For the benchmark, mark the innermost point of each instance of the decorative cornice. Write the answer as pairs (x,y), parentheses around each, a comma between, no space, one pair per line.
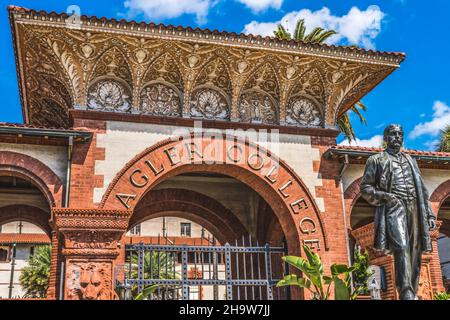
(174,72)
(161,31)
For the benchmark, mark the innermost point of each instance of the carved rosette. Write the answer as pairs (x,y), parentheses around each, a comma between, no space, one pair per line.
(257,107)
(209,104)
(161,100)
(303,111)
(109,95)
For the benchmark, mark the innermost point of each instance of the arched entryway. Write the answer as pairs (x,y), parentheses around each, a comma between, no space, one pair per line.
(24,229)
(270,177)
(150,185)
(444,241)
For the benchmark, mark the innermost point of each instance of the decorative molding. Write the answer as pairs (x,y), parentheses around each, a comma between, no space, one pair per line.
(109,69)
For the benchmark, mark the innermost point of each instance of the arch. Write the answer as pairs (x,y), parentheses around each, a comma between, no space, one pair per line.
(112,62)
(33,170)
(215,73)
(247,162)
(164,68)
(315,87)
(27,213)
(197,207)
(439,195)
(351,195)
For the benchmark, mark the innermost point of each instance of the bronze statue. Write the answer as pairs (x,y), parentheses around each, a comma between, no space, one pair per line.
(403,217)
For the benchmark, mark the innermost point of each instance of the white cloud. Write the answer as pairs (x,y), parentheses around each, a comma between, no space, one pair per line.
(440,119)
(374,142)
(260,5)
(356,27)
(162,9)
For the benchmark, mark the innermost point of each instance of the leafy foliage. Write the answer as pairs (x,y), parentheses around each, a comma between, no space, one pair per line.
(315,281)
(35,276)
(441,296)
(320,35)
(157,265)
(444,141)
(362,271)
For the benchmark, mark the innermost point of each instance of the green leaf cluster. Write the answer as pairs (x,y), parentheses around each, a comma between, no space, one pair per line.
(157,265)
(314,279)
(34,278)
(441,296)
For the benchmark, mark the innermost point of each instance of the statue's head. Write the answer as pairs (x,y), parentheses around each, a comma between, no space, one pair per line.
(393,136)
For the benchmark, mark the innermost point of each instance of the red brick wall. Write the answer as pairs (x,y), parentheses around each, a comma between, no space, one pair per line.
(83,179)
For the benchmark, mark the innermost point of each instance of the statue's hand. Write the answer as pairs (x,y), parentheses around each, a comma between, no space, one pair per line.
(390,198)
(432,224)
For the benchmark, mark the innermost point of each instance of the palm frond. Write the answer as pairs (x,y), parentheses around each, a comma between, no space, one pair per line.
(311,37)
(444,141)
(355,108)
(325,35)
(300,29)
(281,33)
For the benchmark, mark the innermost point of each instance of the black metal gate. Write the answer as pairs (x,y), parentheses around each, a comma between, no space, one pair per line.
(220,272)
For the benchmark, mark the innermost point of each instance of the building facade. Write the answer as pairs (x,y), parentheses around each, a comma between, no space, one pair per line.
(127,121)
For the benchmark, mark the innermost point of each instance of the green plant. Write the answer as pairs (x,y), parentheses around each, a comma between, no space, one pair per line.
(362,271)
(157,265)
(34,278)
(444,140)
(320,35)
(315,281)
(441,296)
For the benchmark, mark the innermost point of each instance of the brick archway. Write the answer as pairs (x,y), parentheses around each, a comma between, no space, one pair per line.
(439,195)
(27,213)
(351,195)
(249,163)
(33,170)
(197,207)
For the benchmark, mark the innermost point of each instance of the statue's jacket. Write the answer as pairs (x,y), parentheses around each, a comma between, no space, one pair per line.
(376,182)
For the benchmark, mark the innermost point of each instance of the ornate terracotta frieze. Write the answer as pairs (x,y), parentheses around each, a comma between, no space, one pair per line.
(91,233)
(91,68)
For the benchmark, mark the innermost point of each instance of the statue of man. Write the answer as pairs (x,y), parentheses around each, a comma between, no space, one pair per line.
(403,217)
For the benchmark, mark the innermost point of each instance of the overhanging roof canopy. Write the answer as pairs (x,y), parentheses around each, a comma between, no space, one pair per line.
(121,66)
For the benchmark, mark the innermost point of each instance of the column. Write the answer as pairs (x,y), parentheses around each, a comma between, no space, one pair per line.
(91,246)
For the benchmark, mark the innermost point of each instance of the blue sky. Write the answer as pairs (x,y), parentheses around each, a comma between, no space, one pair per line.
(416,96)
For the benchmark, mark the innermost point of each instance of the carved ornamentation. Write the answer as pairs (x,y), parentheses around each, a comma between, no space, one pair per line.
(109,95)
(258,107)
(88,280)
(303,111)
(209,104)
(160,99)
(425,291)
(61,68)
(164,68)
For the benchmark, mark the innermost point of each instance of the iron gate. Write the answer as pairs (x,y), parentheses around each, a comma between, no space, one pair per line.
(243,271)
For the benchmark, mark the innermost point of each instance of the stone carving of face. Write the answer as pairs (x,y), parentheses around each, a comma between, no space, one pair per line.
(90,284)
(394,137)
